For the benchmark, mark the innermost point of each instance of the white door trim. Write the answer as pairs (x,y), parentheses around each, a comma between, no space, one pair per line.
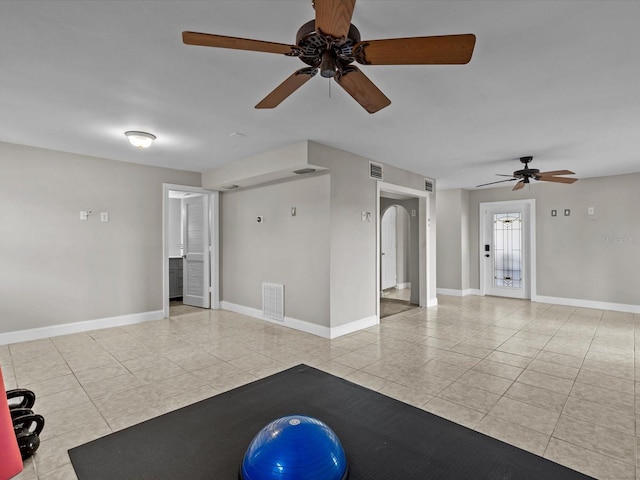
(530,249)
(214,262)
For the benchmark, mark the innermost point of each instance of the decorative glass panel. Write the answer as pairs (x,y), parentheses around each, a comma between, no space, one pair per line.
(507,250)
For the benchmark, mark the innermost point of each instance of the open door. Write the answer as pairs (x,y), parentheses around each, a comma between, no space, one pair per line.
(195,263)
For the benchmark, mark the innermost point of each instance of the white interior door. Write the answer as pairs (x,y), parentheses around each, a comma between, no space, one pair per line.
(388,248)
(505,249)
(195,263)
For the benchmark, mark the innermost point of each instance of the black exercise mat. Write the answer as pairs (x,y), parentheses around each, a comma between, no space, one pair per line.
(384,439)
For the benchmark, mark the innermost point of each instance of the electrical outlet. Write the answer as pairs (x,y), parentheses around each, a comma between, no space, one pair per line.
(104,216)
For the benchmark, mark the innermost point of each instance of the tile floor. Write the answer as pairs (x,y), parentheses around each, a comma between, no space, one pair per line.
(555,380)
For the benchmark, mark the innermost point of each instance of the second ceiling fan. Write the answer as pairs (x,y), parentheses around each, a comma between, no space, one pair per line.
(526,174)
(330,44)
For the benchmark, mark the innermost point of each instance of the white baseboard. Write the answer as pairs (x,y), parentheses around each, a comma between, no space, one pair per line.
(302,325)
(77,327)
(432,302)
(458,293)
(577,302)
(402,286)
(354,326)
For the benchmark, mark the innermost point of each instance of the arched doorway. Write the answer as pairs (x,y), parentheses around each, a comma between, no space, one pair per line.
(396,259)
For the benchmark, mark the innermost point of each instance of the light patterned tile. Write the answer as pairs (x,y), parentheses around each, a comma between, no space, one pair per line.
(466,351)
(522,437)
(474,398)
(486,381)
(604,440)
(603,396)
(548,382)
(526,415)
(498,369)
(454,412)
(588,462)
(616,418)
(538,397)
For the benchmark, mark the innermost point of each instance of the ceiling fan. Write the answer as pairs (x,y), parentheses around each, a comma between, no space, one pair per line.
(527,173)
(330,44)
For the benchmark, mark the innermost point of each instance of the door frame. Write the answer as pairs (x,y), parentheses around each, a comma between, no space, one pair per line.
(426,275)
(214,239)
(529,242)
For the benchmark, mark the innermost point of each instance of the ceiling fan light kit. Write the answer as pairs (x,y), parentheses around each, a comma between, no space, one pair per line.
(330,44)
(526,174)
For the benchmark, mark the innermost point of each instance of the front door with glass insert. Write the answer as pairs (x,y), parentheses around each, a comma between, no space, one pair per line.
(504,252)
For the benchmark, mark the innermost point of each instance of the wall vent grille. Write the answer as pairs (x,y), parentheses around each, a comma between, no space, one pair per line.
(428,185)
(273,301)
(375,171)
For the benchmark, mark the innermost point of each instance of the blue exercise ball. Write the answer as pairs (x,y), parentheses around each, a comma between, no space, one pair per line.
(296,447)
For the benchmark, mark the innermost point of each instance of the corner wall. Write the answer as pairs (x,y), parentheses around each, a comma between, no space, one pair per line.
(283,249)
(58,270)
(582,259)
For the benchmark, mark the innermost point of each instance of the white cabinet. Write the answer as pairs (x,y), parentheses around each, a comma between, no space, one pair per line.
(175,277)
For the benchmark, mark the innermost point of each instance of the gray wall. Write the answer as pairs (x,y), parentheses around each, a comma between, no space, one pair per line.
(326,256)
(580,256)
(352,241)
(449,212)
(288,250)
(57,269)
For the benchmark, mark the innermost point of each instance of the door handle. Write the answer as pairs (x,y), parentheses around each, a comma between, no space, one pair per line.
(487,255)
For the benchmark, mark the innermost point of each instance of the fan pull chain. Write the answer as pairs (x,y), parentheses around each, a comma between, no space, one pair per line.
(329,88)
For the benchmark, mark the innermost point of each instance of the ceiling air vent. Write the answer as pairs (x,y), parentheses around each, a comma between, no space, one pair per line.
(375,171)
(428,185)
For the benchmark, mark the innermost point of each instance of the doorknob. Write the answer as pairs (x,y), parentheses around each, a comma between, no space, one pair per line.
(382,253)
(487,255)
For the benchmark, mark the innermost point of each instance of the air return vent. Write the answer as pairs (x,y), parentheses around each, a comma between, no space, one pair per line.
(273,301)
(428,185)
(375,171)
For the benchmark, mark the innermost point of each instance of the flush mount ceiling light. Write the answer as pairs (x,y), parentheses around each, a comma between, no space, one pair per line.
(140,139)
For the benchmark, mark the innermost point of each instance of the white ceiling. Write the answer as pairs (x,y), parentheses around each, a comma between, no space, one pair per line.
(559,80)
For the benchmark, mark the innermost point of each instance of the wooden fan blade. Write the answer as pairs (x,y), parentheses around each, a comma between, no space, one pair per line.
(518,186)
(442,50)
(220,41)
(286,88)
(333,17)
(363,91)
(556,172)
(499,181)
(546,178)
